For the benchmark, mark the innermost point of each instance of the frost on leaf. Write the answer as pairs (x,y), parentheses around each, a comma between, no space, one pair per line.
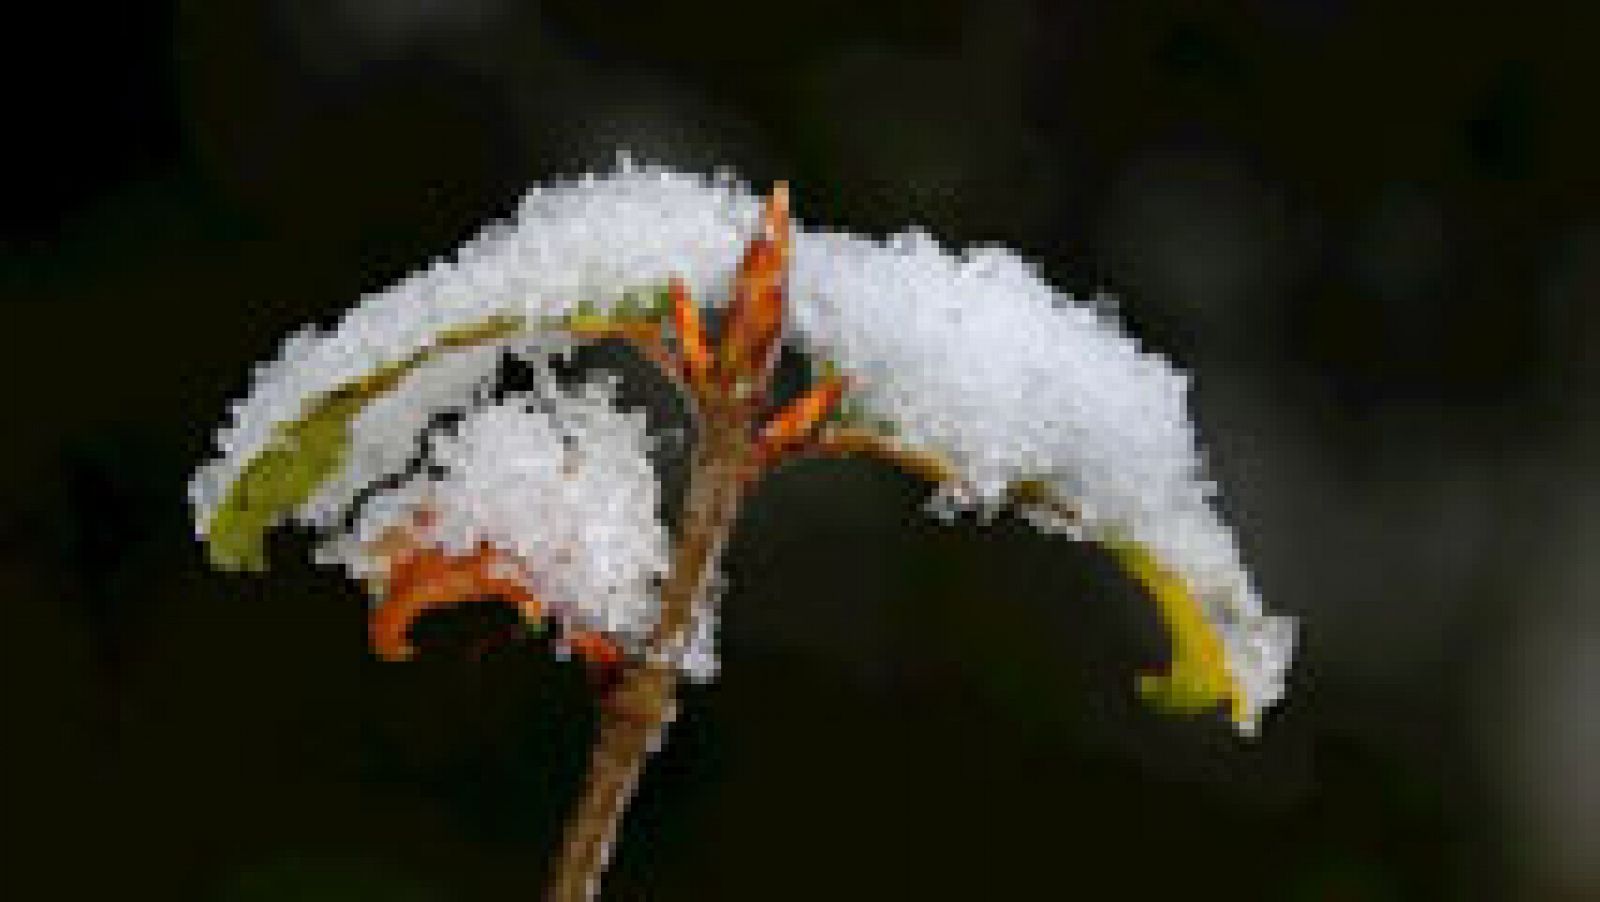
(964,367)
(305,452)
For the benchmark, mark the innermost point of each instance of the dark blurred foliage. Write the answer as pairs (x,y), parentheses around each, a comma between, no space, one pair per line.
(1368,228)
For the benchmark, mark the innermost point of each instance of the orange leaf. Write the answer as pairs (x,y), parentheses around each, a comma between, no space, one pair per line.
(422,579)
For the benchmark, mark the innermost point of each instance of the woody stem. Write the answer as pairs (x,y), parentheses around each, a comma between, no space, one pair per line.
(634,717)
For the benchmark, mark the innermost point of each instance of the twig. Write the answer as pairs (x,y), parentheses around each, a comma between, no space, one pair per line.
(634,716)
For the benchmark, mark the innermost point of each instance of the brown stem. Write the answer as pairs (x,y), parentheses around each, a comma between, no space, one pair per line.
(852,441)
(631,727)
(847,441)
(634,716)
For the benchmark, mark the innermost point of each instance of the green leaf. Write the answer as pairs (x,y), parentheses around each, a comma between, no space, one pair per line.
(628,308)
(659,303)
(282,476)
(648,305)
(305,452)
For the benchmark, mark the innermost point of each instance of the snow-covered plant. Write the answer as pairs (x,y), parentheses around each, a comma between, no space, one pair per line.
(966,369)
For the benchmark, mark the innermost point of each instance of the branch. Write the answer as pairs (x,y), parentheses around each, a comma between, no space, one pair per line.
(635,714)
(1199,675)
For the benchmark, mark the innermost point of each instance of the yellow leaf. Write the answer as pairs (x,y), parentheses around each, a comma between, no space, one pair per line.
(1198,678)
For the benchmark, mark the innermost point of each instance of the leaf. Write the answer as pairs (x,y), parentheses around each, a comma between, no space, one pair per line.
(658,304)
(281,477)
(424,579)
(1198,678)
(305,452)
(642,307)
(628,308)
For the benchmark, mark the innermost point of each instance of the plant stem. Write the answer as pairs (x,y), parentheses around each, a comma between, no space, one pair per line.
(634,716)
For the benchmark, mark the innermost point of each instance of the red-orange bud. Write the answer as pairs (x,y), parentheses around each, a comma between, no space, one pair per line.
(692,351)
(795,421)
(755,315)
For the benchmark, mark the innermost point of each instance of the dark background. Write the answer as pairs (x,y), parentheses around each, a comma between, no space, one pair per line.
(1367,227)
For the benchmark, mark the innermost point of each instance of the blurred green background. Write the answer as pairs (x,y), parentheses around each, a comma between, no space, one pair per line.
(1368,228)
